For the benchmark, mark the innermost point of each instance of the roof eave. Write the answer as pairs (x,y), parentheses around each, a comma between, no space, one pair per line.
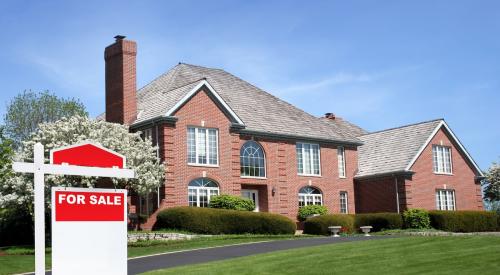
(295,137)
(385,174)
(154,121)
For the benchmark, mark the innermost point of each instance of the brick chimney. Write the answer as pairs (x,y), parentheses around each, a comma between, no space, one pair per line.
(121,101)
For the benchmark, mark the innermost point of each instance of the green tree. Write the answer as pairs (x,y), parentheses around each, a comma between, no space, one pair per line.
(6,155)
(491,184)
(141,156)
(28,109)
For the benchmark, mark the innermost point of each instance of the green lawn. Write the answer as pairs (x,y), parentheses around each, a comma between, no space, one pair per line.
(405,255)
(20,260)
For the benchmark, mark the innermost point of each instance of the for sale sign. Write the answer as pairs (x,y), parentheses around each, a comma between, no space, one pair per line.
(89,231)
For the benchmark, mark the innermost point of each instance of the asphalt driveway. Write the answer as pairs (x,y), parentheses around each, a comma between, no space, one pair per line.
(172,259)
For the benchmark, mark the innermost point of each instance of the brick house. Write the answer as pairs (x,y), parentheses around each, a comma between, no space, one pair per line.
(221,135)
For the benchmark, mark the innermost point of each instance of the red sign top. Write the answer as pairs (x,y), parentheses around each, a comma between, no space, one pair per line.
(73,206)
(87,154)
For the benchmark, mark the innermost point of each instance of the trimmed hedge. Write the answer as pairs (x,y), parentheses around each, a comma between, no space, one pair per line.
(319,225)
(464,221)
(231,202)
(223,221)
(309,210)
(379,221)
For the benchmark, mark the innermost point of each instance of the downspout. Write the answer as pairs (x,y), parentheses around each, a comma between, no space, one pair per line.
(397,192)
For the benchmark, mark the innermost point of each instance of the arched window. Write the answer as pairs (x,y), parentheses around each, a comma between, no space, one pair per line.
(252,160)
(309,195)
(200,190)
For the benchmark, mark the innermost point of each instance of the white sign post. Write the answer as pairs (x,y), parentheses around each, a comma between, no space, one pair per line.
(84,151)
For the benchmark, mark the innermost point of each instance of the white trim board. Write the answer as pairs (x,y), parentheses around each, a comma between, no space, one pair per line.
(434,132)
(194,91)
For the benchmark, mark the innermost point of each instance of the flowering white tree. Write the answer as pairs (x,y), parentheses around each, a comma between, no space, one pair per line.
(141,157)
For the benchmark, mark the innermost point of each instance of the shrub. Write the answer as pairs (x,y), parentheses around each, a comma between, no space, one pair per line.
(319,225)
(498,221)
(416,218)
(309,210)
(379,221)
(16,227)
(231,202)
(464,221)
(223,221)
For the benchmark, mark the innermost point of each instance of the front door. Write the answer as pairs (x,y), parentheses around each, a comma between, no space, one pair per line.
(252,195)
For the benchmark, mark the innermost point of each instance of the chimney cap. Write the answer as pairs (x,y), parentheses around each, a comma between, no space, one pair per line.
(119,37)
(330,115)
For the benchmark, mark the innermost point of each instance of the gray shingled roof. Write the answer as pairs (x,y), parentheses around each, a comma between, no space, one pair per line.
(392,150)
(344,126)
(259,110)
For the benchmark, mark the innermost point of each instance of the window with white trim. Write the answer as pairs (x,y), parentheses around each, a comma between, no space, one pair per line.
(308,159)
(252,160)
(147,134)
(441,159)
(202,146)
(200,191)
(445,199)
(310,196)
(341,161)
(343,202)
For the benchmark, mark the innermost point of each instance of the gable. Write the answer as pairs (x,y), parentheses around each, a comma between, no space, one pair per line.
(442,135)
(203,109)
(205,86)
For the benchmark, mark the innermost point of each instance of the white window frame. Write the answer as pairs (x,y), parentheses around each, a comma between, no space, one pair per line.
(346,202)
(197,189)
(147,134)
(314,198)
(445,199)
(341,162)
(438,159)
(197,163)
(265,164)
(311,159)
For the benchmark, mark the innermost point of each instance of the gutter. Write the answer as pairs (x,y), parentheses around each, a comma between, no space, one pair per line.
(154,121)
(296,137)
(385,174)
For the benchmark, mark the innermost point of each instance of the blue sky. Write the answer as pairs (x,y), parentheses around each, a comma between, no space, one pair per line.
(379,64)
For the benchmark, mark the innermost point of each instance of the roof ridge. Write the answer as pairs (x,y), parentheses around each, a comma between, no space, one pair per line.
(198,66)
(404,126)
(157,78)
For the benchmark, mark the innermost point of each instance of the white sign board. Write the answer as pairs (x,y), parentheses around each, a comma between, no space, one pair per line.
(89,231)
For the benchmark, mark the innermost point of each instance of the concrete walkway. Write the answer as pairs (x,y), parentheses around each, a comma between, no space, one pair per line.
(196,256)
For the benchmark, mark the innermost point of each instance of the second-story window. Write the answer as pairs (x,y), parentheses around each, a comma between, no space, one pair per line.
(202,146)
(441,159)
(252,160)
(308,159)
(341,161)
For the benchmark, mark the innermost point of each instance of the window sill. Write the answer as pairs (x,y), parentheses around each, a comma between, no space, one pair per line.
(306,175)
(343,178)
(203,165)
(249,177)
(443,174)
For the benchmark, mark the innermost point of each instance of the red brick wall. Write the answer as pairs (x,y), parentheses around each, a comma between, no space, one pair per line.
(281,167)
(423,185)
(121,101)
